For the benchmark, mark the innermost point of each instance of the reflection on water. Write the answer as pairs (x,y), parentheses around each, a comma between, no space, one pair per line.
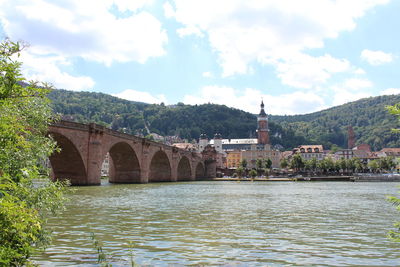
(228,223)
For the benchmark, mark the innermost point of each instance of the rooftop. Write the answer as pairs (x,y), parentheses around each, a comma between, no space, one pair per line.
(249,141)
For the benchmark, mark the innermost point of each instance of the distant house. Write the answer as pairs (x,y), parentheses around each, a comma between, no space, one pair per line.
(389,152)
(364,147)
(345,154)
(310,151)
(186,146)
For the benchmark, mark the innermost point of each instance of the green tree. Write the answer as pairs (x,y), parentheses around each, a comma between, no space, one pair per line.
(358,165)
(259,166)
(395,234)
(243,163)
(284,163)
(297,162)
(25,113)
(350,165)
(268,163)
(373,165)
(253,173)
(342,164)
(240,172)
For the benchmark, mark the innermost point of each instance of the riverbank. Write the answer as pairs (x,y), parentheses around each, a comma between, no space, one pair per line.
(355,178)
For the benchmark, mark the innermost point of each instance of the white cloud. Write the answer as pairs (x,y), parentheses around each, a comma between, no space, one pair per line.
(351,90)
(48,69)
(359,71)
(303,71)
(141,96)
(125,5)
(207,74)
(376,57)
(390,91)
(271,32)
(86,29)
(249,100)
(357,84)
(344,96)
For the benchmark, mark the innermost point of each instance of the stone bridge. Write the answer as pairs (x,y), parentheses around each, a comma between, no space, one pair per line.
(132,159)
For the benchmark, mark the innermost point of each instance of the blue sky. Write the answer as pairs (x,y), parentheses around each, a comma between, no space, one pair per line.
(299,56)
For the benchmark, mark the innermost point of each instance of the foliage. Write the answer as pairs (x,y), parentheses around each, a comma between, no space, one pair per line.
(297,162)
(371,124)
(184,120)
(284,163)
(253,173)
(24,202)
(373,165)
(395,110)
(240,171)
(268,163)
(243,163)
(394,234)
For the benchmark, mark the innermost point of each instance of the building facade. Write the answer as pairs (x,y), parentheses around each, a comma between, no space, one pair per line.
(310,151)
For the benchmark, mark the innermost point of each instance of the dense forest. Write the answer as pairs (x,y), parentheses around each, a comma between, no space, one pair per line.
(371,122)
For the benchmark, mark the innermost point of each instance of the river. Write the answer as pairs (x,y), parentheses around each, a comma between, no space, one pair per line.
(227,223)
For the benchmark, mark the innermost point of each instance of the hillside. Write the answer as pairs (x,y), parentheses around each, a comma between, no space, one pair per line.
(368,117)
(371,123)
(187,121)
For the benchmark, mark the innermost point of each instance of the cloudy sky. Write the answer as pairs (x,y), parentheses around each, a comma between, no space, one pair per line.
(299,56)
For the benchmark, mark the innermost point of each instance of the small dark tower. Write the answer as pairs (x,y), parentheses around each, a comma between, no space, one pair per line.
(262,130)
(351,137)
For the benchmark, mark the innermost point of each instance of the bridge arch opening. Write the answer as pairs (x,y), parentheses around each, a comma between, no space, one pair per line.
(160,168)
(124,165)
(67,164)
(200,171)
(184,171)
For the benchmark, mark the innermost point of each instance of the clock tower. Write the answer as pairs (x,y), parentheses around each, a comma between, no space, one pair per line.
(262,130)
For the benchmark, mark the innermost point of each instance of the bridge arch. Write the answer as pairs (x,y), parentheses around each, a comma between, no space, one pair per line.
(184,169)
(160,168)
(68,163)
(124,164)
(200,171)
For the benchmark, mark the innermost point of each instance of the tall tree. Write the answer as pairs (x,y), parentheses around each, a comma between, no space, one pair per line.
(395,234)
(24,117)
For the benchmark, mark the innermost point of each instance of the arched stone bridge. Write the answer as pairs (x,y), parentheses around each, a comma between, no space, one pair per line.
(132,159)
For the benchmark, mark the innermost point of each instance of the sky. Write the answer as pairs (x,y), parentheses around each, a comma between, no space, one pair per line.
(297,56)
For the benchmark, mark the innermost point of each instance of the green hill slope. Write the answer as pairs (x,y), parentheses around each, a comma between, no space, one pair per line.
(368,117)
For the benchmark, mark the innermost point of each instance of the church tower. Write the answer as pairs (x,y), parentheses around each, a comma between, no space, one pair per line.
(262,131)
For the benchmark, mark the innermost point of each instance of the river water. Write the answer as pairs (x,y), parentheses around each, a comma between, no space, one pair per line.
(228,223)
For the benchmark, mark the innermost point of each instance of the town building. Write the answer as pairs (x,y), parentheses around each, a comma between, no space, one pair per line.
(249,149)
(253,154)
(389,152)
(233,159)
(344,154)
(310,151)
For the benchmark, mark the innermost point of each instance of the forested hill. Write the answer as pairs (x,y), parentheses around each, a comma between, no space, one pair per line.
(370,120)
(187,121)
